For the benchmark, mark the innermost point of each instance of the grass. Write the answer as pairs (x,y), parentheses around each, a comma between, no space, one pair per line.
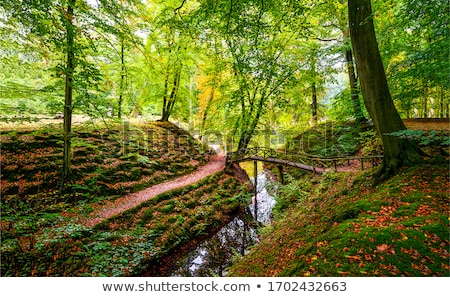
(123,245)
(399,228)
(105,162)
(39,233)
(338,224)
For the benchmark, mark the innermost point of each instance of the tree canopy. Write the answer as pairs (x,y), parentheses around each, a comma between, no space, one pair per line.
(233,67)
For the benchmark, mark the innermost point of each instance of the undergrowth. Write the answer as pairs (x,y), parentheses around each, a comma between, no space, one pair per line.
(344,227)
(39,233)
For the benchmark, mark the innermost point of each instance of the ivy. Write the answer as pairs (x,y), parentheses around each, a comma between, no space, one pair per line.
(423,138)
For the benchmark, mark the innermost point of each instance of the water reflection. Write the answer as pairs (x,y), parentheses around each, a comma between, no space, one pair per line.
(213,256)
(264,201)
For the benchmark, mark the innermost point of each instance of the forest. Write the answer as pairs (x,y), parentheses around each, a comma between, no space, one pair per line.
(134,131)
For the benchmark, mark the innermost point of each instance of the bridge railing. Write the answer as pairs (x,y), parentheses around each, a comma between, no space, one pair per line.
(271,155)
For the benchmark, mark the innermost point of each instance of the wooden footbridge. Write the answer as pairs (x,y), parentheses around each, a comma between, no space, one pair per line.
(301,160)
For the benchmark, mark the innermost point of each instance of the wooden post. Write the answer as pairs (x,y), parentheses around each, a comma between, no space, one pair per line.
(362,163)
(335,165)
(255,202)
(280,171)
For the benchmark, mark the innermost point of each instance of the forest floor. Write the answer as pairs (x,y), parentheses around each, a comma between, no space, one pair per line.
(346,227)
(105,211)
(145,189)
(142,190)
(339,224)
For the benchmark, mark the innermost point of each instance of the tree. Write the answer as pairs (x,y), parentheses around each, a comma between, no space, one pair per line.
(414,44)
(330,27)
(354,90)
(66,29)
(171,60)
(257,36)
(70,32)
(375,90)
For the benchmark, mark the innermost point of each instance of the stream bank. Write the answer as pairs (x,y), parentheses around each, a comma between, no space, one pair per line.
(212,255)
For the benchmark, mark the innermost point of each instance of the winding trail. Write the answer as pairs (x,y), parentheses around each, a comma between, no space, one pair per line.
(215,164)
(110,209)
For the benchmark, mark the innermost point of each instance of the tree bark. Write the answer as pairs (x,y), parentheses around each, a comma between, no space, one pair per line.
(314,102)
(207,107)
(425,102)
(68,95)
(166,88)
(375,90)
(122,77)
(169,102)
(357,110)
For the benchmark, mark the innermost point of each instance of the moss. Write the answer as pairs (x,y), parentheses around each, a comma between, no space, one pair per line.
(398,228)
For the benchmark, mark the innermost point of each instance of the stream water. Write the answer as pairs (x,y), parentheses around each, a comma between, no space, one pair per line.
(214,255)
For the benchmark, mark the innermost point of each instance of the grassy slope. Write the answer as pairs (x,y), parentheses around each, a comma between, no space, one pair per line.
(108,162)
(42,238)
(338,225)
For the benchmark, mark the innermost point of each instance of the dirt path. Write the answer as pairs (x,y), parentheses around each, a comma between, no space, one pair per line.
(110,209)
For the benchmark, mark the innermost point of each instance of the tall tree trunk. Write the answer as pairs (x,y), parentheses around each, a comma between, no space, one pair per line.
(249,130)
(68,94)
(441,102)
(207,107)
(122,77)
(425,102)
(174,94)
(169,102)
(375,90)
(357,110)
(166,88)
(314,103)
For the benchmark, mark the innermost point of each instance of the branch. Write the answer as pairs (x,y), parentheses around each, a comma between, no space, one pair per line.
(179,7)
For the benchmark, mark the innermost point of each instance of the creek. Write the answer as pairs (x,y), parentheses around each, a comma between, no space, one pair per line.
(214,255)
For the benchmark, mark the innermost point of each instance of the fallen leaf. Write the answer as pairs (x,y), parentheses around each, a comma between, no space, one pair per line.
(382,247)
(353,258)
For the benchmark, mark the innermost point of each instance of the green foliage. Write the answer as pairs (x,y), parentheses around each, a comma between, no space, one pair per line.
(424,138)
(294,192)
(414,43)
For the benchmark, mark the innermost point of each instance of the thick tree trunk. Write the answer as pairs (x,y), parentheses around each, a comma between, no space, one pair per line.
(375,90)
(68,95)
